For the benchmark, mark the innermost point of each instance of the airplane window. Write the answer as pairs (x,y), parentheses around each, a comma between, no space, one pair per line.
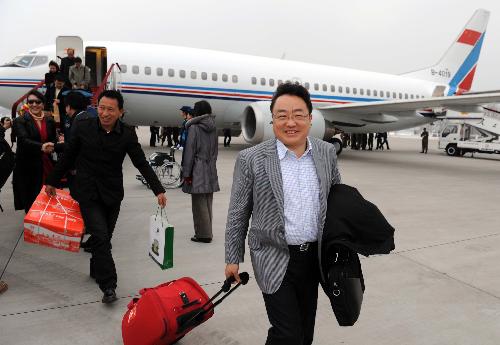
(332,88)
(234,78)
(193,74)
(411,96)
(147,70)
(204,75)
(374,93)
(368,92)
(400,95)
(271,82)
(171,72)
(40,60)
(262,81)
(280,81)
(182,73)
(307,85)
(347,89)
(340,89)
(224,77)
(362,92)
(159,71)
(254,80)
(417,96)
(135,69)
(354,90)
(387,94)
(406,96)
(20,61)
(325,88)
(123,68)
(394,95)
(214,76)
(316,86)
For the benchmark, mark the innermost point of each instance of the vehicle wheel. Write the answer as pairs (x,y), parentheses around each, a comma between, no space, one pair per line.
(452,150)
(337,143)
(169,175)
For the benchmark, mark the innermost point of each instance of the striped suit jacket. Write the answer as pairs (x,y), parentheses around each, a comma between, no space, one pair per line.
(257,193)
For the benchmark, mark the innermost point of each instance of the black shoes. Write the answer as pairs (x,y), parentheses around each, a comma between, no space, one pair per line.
(109,296)
(201,240)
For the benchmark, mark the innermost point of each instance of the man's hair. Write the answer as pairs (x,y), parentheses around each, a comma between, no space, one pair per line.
(53,63)
(76,101)
(37,94)
(294,89)
(201,108)
(60,77)
(3,119)
(78,59)
(72,49)
(113,94)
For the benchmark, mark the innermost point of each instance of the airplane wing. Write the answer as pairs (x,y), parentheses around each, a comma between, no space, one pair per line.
(458,103)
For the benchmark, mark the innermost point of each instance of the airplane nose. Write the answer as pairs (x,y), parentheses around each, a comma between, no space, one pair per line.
(14,83)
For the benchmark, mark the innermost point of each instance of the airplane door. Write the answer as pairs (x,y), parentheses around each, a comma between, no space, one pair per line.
(65,42)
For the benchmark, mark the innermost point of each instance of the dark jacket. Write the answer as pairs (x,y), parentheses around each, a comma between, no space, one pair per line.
(6,158)
(98,157)
(199,159)
(28,173)
(66,63)
(50,95)
(356,223)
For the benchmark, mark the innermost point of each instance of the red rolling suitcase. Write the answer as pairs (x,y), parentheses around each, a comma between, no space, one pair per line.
(167,312)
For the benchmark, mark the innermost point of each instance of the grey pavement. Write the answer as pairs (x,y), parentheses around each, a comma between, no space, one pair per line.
(440,286)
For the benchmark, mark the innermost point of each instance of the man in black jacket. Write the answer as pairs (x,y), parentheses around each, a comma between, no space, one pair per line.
(98,147)
(55,97)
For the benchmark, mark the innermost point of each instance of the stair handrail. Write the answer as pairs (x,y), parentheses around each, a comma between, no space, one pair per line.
(104,82)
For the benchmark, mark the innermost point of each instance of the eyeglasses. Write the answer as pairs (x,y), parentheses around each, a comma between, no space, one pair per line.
(299,117)
(34,101)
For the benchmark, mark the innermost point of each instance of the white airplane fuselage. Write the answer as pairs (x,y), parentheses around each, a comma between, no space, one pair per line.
(155,100)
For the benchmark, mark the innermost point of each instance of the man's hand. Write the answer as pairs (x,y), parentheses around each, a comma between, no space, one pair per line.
(162,200)
(47,147)
(188,180)
(232,271)
(50,191)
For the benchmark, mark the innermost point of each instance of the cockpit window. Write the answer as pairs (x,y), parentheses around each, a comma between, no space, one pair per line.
(40,60)
(27,61)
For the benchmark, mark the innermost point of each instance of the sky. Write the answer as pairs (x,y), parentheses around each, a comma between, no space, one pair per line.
(389,36)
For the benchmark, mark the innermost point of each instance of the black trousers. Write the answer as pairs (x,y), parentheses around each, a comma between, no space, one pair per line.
(100,221)
(292,309)
(227,137)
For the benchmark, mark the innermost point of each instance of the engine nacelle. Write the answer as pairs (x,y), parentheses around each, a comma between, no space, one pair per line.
(257,126)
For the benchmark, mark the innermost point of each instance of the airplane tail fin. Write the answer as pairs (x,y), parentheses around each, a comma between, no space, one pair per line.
(458,65)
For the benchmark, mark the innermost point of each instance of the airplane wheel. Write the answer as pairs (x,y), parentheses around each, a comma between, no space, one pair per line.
(337,143)
(452,150)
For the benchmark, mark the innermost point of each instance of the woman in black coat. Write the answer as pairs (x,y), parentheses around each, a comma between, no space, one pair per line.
(36,138)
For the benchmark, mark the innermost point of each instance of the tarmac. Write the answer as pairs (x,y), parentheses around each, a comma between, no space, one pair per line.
(441,285)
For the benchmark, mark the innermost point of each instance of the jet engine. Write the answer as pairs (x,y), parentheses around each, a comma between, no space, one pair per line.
(257,126)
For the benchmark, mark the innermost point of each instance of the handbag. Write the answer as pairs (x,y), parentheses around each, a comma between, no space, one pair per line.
(345,284)
(161,240)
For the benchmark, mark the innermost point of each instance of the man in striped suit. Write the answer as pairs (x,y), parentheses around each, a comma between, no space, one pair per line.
(283,185)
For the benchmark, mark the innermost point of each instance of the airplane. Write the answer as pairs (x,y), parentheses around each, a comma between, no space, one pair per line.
(156,80)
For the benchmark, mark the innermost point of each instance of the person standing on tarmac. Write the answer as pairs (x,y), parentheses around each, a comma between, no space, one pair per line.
(97,148)
(199,169)
(425,140)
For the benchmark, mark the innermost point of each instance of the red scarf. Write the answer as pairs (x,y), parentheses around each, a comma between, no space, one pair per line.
(46,161)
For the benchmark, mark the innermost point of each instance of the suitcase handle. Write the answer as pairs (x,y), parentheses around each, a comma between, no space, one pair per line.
(226,287)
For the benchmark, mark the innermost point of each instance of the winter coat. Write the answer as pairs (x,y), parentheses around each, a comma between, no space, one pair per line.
(200,156)
(27,178)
